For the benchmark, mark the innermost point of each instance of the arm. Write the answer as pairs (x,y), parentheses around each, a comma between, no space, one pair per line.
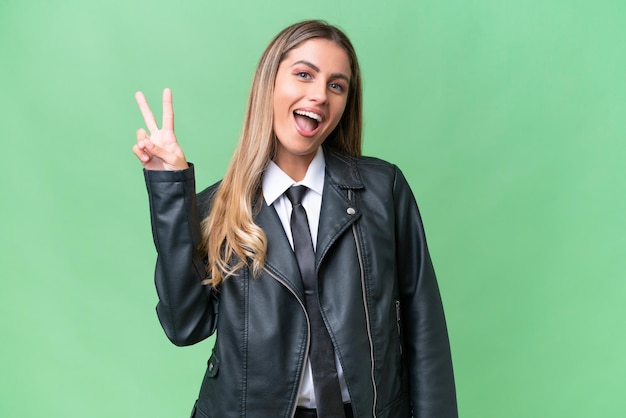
(187,309)
(426,341)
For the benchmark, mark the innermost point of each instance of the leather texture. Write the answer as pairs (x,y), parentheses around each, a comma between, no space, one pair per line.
(378,296)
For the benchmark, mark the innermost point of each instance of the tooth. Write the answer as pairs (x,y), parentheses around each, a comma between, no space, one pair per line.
(309,115)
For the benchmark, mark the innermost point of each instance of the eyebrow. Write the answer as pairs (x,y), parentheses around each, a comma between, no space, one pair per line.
(316,69)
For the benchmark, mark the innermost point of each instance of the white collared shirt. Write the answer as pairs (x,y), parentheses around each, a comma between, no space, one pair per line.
(275,183)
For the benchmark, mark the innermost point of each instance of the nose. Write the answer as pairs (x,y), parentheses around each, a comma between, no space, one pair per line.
(318,92)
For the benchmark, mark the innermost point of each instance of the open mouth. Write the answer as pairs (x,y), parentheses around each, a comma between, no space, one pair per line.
(307,121)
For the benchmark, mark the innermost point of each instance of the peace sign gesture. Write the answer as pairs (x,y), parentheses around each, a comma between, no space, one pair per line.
(159,150)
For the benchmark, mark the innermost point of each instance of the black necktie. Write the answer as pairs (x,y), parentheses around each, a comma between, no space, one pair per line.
(325,381)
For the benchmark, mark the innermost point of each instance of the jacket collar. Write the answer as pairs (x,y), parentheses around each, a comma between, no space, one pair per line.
(342,170)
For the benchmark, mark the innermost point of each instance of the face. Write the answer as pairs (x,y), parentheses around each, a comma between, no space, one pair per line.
(310,96)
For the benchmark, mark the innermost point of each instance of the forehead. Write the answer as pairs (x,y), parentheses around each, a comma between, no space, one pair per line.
(325,54)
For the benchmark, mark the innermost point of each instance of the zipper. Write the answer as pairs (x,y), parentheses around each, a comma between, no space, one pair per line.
(398,318)
(367,313)
(308,331)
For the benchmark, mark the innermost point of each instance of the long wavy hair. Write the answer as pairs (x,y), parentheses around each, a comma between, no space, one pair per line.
(230,237)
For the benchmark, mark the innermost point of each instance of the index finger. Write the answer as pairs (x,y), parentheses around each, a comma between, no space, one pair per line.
(168,110)
(148,117)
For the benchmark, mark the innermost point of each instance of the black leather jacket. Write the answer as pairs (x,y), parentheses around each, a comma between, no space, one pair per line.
(378,294)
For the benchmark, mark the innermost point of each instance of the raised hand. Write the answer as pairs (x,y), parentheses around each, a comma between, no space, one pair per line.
(159,150)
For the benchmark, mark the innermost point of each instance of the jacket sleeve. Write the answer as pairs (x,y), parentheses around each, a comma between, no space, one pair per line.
(427,347)
(187,309)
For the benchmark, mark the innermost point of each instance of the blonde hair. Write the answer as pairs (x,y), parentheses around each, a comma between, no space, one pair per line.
(230,237)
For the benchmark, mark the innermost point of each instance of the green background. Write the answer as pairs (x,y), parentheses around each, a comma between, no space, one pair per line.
(507,118)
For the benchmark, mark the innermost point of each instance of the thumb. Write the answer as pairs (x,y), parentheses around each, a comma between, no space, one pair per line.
(175,161)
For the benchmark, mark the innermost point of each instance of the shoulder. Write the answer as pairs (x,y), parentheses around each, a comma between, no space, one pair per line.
(363,170)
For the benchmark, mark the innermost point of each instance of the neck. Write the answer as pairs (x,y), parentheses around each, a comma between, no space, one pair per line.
(295,166)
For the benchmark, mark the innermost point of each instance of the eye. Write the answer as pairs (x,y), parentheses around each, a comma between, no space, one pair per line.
(303,75)
(337,87)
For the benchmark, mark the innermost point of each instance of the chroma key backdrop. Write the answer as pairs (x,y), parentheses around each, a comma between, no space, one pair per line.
(507,118)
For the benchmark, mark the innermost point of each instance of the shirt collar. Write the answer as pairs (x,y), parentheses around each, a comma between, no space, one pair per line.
(276,181)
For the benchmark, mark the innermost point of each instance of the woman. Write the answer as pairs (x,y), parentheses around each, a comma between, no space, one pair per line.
(233,260)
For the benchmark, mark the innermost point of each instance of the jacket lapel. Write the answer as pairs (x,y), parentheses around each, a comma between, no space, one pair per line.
(279,259)
(338,212)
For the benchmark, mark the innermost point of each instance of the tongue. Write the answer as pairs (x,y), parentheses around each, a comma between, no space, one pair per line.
(305,123)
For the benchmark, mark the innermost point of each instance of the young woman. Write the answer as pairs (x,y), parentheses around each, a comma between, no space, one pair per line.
(237,259)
